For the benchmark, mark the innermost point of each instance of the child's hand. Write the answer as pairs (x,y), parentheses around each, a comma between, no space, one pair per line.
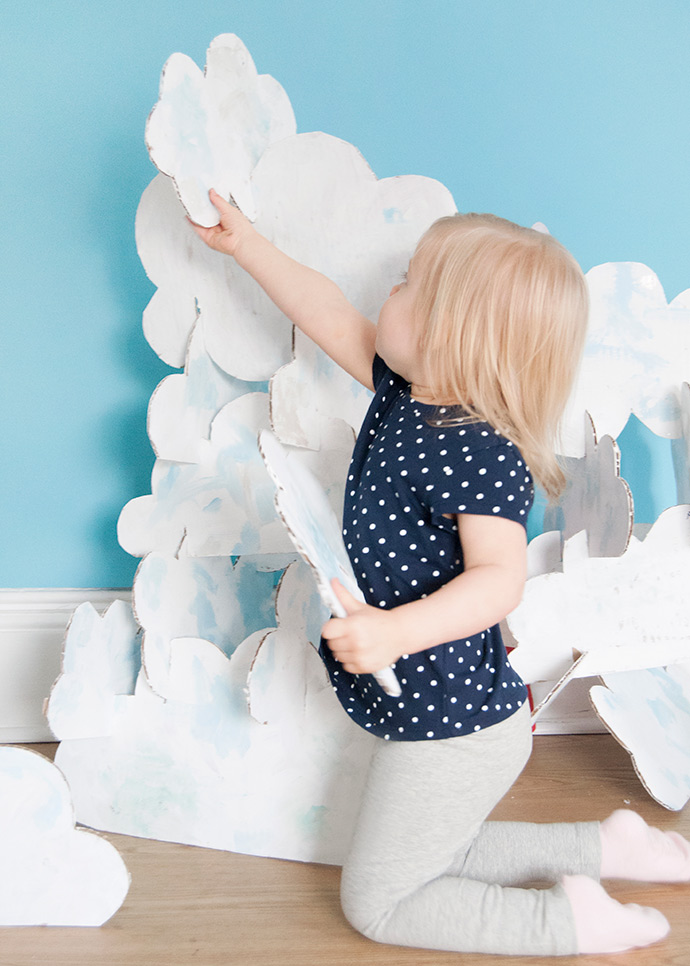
(226,236)
(365,641)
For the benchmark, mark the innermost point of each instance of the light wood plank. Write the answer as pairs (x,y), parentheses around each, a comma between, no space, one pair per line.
(191,906)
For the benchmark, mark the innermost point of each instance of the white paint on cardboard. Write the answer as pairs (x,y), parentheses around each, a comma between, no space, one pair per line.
(52,873)
(198,768)
(100,664)
(648,711)
(597,499)
(184,405)
(218,599)
(637,599)
(316,533)
(209,129)
(636,356)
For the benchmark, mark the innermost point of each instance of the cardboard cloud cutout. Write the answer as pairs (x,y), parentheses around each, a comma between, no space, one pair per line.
(635,601)
(648,711)
(52,874)
(209,130)
(223,504)
(357,230)
(682,450)
(100,664)
(316,533)
(184,405)
(597,499)
(192,279)
(199,768)
(636,356)
(218,599)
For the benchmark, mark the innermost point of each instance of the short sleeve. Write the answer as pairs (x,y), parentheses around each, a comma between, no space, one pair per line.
(485,480)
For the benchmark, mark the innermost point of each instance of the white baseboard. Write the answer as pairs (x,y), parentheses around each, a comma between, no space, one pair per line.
(32,631)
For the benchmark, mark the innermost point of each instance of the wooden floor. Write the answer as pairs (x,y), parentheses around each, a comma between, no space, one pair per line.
(198,907)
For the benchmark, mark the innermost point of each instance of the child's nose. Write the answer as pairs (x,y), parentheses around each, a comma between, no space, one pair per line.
(396,288)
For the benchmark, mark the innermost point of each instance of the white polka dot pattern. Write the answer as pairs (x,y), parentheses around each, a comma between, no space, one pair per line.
(407,471)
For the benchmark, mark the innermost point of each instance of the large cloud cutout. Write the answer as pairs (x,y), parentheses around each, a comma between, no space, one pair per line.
(636,600)
(52,873)
(198,767)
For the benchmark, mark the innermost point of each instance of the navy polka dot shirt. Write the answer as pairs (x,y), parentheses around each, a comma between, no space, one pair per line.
(408,471)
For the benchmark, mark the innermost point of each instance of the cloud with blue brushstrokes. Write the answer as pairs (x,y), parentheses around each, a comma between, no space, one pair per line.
(597,499)
(222,600)
(636,357)
(52,873)
(249,753)
(223,503)
(208,129)
(649,713)
(100,664)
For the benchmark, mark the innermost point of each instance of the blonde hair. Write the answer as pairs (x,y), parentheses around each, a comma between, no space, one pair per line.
(503,312)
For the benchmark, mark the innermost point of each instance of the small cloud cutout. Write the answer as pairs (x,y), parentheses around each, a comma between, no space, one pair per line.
(218,599)
(184,405)
(596,500)
(209,129)
(51,873)
(636,356)
(100,664)
(649,713)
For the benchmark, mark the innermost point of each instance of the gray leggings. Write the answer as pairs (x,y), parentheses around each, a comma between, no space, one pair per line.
(425,869)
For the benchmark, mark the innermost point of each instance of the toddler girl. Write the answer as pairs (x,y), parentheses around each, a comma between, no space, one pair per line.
(471,363)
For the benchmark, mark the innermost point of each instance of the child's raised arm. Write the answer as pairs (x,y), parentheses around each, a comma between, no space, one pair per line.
(311,301)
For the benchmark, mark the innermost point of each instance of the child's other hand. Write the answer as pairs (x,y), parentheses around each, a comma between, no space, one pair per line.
(365,641)
(226,236)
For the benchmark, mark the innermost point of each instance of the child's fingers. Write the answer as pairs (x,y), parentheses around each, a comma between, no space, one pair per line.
(220,203)
(333,629)
(350,603)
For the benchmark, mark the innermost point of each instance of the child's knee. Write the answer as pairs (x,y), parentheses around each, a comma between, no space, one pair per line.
(360,909)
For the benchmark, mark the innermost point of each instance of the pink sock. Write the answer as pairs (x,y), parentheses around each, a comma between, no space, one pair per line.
(631,849)
(603,925)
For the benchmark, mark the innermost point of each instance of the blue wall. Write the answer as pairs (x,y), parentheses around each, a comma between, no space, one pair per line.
(573,113)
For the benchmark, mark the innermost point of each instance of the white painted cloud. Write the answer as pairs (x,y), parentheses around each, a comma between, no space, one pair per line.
(636,357)
(52,874)
(100,664)
(649,713)
(199,768)
(209,129)
(637,599)
(184,405)
(222,600)
(223,504)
